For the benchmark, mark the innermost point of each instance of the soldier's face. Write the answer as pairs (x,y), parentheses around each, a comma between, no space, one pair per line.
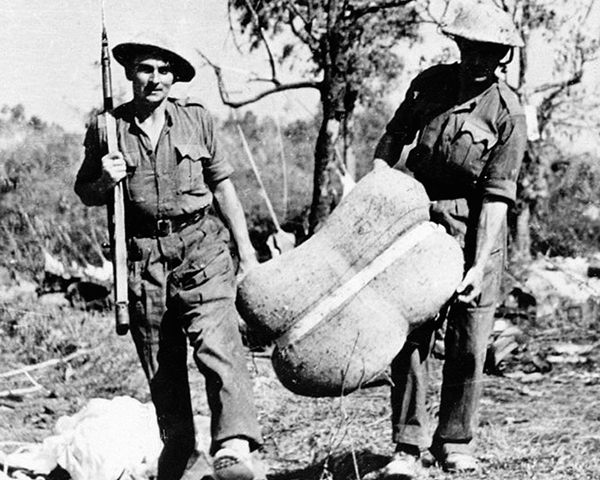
(152,79)
(480,60)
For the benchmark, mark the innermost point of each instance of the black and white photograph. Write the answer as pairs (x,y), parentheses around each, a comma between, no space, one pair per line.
(300,240)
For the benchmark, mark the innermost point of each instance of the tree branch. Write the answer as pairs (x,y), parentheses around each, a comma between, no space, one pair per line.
(308,39)
(550,103)
(297,12)
(574,80)
(588,11)
(279,87)
(231,29)
(426,12)
(264,41)
(378,6)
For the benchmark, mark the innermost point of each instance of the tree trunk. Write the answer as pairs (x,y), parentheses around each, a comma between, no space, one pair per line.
(333,97)
(337,115)
(520,228)
(323,191)
(349,157)
(521,251)
(532,191)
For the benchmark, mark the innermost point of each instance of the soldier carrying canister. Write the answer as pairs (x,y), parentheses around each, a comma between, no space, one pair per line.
(470,144)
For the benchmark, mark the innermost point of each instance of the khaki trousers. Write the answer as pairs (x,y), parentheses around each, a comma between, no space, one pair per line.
(182,288)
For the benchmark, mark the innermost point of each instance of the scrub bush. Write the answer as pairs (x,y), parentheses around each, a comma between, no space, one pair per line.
(568,221)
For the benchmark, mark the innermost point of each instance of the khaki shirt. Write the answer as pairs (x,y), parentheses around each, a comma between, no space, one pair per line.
(172,180)
(464,151)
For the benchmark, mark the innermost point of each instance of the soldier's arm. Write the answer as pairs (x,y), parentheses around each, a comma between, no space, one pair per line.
(233,213)
(402,129)
(387,152)
(489,227)
(499,187)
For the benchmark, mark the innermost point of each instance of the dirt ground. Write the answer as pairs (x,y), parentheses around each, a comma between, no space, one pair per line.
(539,420)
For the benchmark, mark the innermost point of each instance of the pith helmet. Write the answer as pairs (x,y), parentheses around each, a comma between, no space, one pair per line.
(480,22)
(125,53)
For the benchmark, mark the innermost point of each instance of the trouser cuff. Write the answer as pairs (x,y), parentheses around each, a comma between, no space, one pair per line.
(412,435)
(446,448)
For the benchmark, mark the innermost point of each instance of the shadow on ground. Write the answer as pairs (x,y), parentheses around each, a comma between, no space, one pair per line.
(346,466)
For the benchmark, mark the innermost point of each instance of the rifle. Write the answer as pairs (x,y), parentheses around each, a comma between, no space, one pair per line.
(116,207)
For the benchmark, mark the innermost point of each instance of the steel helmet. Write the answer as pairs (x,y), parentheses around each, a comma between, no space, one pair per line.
(126,52)
(481,22)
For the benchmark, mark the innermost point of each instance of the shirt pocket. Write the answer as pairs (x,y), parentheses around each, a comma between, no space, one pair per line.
(136,187)
(470,147)
(191,158)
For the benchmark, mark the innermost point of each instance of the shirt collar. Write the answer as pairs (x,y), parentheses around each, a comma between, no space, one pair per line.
(472,103)
(169,113)
(129,115)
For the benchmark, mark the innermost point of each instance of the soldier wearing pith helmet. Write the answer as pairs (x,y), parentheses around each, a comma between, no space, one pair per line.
(182,278)
(470,137)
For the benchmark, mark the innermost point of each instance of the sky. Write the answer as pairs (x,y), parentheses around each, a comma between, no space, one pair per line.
(50,49)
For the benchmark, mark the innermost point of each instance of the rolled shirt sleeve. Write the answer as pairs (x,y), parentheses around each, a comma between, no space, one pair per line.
(499,178)
(218,167)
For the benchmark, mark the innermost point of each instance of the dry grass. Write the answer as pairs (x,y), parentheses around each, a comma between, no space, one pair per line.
(545,430)
(34,333)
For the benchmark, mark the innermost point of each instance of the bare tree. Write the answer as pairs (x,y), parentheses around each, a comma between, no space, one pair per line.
(349,44)
(563,106)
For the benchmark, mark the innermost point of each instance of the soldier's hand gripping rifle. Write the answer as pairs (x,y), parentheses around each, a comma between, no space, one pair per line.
(116,208)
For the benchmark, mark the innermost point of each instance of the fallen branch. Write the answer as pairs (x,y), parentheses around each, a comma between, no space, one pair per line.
(47,363)
(20,391)
(280,241)
(284,199)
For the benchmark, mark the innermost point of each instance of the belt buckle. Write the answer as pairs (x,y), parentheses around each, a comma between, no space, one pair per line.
(163,227)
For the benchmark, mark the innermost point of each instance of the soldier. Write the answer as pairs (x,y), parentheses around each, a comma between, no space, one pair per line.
(182,278)
(471,140)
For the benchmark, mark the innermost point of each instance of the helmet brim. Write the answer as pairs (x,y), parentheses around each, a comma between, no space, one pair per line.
(483,37)
(126,53)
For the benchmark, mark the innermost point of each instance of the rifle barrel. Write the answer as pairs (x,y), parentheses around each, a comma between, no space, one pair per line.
(116,208)
(106,74)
